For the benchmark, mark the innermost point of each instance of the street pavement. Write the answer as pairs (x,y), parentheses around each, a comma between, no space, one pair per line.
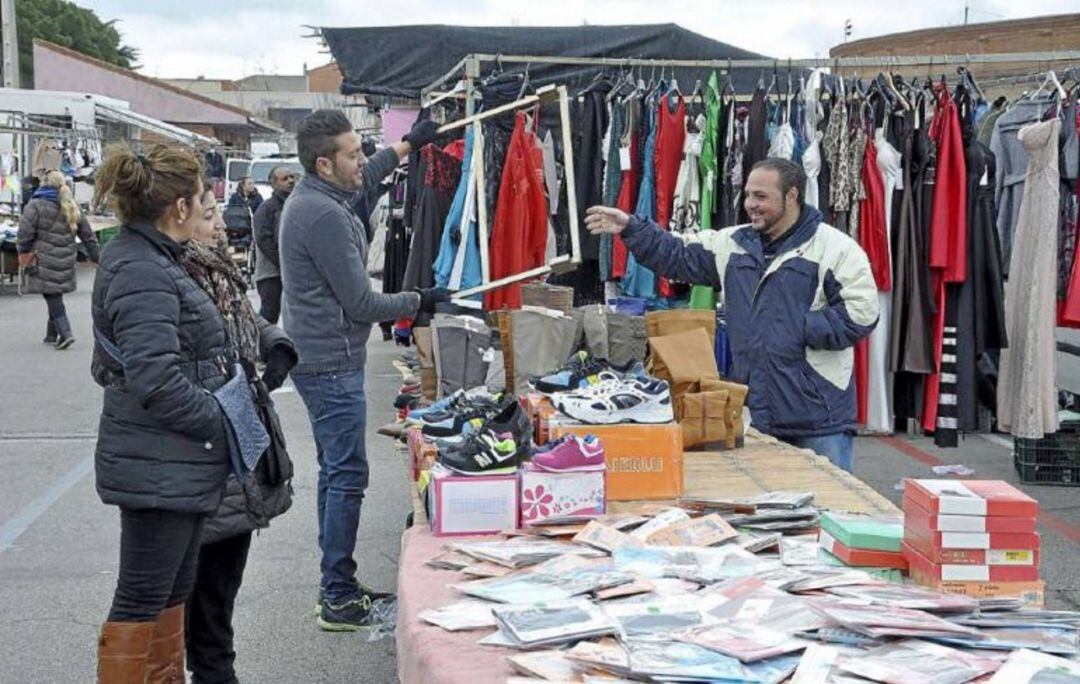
(59,543)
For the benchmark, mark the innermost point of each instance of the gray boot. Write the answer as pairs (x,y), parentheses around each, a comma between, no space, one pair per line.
(50,334)
(64,338)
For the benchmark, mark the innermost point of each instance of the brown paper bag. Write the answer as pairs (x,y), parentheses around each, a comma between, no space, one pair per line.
(673,322)
(734,414)
(704,418)
(685,358)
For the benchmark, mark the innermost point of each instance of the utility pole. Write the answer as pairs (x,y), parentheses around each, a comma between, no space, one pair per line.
(10,48)
(967,9)
(847,29)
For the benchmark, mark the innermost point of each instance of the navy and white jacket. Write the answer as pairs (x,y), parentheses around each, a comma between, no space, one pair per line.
(792,319)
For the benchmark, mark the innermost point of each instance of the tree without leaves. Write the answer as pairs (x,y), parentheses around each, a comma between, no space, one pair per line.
(67,24)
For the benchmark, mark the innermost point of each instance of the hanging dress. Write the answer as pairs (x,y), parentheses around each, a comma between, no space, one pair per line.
(670,140)
(519,233)
(640,281)
(1026,393)
(686,209)
(885,161)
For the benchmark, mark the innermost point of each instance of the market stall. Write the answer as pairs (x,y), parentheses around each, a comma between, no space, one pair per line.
(585,480)
(428,654)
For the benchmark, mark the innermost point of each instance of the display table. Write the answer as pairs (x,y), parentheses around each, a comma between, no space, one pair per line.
(429,655)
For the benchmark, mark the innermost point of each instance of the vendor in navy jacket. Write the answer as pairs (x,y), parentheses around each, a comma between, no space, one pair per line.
(798,295)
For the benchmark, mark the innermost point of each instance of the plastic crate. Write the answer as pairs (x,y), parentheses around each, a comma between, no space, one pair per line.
(1052,460)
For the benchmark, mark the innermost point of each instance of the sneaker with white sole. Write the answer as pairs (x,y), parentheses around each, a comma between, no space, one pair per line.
(483,453)
(616,401)
(572,454)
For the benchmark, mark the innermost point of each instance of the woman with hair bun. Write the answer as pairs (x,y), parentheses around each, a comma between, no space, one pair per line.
(47,252)
(162,454)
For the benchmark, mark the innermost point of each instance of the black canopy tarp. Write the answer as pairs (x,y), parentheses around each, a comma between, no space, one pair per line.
(398,61)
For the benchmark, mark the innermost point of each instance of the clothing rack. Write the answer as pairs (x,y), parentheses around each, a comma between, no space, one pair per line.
(471,65)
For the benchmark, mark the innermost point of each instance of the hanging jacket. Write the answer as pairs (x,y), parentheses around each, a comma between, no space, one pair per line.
(791,324)
(457,265)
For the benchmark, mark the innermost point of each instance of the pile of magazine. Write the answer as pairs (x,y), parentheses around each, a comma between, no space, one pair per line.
(696,593)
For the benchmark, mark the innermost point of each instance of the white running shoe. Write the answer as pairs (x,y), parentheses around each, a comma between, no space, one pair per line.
(617,401)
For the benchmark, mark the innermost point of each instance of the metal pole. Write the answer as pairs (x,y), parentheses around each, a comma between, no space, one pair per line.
(10,38)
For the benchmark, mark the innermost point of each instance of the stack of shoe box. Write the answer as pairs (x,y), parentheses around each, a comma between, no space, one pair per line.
(973,537)
(863,540)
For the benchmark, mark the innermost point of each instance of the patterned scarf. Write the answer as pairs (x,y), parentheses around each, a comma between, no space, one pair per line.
(213,270)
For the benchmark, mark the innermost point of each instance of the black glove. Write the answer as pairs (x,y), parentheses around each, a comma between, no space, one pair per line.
(422,133)
(430,296)
(278,364)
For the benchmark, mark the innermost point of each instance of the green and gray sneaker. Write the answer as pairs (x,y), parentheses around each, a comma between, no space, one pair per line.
(350,616)
(364,591)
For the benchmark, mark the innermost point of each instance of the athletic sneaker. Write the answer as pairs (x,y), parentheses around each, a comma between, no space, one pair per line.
(510,418)
(572,453)
(349,616)
(446,403)
(448,423)
(484,453)
(370,593)
(582,371)
(615,401)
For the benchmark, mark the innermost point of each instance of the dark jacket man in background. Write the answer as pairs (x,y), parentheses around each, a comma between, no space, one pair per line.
(265,225)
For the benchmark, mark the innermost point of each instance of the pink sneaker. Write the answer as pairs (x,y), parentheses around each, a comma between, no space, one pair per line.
(572,454)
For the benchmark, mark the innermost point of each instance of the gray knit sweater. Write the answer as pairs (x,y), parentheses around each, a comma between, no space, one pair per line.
(328,304)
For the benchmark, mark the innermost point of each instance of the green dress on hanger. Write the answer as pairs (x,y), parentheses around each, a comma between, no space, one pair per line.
(702,296)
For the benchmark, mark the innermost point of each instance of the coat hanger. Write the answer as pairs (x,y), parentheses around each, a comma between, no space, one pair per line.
(1051,79)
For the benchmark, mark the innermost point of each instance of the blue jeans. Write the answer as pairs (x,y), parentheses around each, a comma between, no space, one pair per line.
(337,408)
(838,447)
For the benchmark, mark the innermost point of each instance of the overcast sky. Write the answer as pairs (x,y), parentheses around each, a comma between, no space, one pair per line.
(223,39)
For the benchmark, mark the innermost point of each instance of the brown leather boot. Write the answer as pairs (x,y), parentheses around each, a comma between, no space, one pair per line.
(733,417)
(123,648)
(166,663)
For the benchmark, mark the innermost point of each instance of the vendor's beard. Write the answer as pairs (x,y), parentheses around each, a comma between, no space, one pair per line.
(346,181)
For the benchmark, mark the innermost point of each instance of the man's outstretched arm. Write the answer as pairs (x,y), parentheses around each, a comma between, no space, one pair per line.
(666,254)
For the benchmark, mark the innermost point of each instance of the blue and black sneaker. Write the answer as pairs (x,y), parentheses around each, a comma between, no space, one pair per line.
(583,370)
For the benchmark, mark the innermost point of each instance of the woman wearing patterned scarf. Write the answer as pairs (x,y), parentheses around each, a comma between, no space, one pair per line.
(247,506)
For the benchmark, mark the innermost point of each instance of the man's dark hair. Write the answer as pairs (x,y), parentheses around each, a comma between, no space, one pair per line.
(272,176)
(316,133)
(791,175)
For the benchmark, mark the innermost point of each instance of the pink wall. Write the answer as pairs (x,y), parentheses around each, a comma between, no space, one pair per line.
(57,71)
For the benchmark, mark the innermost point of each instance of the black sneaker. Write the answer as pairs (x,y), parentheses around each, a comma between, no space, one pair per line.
(451,422)
(510,418)
(483,453)
(364,591)
(350,616)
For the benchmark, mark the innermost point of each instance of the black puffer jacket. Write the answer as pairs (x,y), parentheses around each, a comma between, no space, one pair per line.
(161,439)
(44,231)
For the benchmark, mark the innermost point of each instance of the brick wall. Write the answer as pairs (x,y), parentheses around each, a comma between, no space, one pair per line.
(324,79)
(1038,34)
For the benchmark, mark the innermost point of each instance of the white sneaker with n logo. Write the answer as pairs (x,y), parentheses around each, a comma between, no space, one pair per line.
(616,401)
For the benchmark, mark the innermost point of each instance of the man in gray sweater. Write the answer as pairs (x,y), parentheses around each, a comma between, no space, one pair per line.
(329,307)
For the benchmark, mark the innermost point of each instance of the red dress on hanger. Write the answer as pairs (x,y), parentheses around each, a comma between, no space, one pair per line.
(948,234)
(670,138)
(874,239)
(519,233)
(626,201)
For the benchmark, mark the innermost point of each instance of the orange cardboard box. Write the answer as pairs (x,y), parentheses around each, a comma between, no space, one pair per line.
(643,461)
(1032,594)
(539,410)
(422,452)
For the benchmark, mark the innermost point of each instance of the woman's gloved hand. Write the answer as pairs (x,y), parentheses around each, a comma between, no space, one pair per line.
(279,362)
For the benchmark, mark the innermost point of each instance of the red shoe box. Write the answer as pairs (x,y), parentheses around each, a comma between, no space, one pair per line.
(925,571)
(964,548)
(919,518)
(971,497)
